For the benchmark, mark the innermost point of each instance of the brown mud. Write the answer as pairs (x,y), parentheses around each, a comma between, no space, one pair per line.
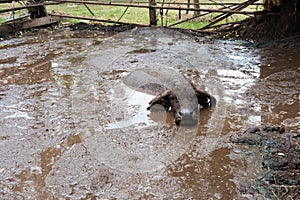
(72,129)
(281,159)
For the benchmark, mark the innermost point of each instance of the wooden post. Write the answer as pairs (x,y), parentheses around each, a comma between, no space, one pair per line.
(197,6)
(36,12)
(152,13)
(188,6)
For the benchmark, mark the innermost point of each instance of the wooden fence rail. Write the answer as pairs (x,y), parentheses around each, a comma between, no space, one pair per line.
(226,10)
(127,5)
(27,6)
(153,5)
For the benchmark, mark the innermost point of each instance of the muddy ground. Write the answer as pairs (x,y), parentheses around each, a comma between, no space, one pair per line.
(71,128)
(280,158)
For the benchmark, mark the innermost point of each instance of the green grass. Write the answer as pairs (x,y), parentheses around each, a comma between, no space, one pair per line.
(132,15)
(5,16)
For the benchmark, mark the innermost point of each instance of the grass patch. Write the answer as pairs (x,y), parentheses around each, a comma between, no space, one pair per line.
(10,15)
(132,15)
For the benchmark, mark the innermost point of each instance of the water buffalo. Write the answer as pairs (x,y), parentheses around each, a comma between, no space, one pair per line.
(183,113)
(176,93)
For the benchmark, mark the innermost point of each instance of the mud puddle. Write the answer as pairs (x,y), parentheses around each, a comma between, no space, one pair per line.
(71,128)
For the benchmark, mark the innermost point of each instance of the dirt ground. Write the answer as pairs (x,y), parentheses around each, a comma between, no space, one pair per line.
(279,148)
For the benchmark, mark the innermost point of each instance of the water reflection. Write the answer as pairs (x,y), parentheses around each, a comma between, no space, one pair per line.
(277,90)
(206,178)
(132,104)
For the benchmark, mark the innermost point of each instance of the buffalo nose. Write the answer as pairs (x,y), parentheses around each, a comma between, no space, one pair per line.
(186,117)
(186,113)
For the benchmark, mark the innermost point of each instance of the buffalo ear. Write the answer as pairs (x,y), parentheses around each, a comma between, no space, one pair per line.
(204,98)
(162,99)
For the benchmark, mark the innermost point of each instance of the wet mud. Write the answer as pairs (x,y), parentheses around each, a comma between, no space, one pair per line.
(281,160)
(75,125)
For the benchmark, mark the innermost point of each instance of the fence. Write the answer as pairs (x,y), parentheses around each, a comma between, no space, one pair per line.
(157,11)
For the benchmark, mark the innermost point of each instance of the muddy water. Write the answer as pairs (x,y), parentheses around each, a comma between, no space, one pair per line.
(72,128)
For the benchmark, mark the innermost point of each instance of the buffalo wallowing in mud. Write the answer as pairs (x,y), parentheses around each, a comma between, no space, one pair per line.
(175,92)
(181,107)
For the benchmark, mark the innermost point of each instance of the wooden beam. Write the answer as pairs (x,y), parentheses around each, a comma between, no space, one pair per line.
(41,22)
(29,6)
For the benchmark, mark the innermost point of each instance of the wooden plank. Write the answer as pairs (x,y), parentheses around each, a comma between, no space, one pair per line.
(41,22)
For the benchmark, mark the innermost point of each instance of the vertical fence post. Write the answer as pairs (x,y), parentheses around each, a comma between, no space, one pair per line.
(36,12)
(152,13)
(197,6)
